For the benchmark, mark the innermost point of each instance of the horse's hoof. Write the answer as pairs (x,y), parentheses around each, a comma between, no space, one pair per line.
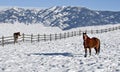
(85,56)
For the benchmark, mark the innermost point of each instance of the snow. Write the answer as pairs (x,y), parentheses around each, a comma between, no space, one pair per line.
(9,29)
(65,55)
(57,8)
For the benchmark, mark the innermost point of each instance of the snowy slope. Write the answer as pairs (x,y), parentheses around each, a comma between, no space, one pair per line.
(66,55)
(9,29)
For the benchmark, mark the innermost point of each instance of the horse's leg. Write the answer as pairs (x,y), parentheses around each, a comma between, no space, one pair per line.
(85,52)
(95,50)
(14,40)
(98,48)
(89,51)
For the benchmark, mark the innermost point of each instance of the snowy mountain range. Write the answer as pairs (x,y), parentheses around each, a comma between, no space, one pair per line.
(64,17)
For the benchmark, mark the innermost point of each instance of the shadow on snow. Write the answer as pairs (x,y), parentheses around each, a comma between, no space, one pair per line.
(53,54)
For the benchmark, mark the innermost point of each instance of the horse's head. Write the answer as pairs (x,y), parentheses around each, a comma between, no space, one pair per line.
(19,33)
(84,33)
(85,36)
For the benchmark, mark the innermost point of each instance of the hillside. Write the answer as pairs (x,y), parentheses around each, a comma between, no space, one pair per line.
(64,17)
(8,29)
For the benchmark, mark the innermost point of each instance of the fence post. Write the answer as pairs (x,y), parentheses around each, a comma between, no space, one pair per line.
(91,31)
(38,37)
(118,27)
(44,37)
(64,35)
(50,37)
(113,29)
(60,36)
(106,30)
(55,36)
(31,38)
(72,34)
(2,40)
(109,29)
(96,31)
(79,32)
(68,34)
(23,37)
(101,30)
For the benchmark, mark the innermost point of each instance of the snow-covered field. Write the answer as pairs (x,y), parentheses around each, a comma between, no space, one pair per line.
(9,29)
(66,55)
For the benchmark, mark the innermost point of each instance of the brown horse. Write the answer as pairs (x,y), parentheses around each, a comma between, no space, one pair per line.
(15,35)
(91,43)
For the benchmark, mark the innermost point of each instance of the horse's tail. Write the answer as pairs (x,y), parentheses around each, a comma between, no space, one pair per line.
(98,46)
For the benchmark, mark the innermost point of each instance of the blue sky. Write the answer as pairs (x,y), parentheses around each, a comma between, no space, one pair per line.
(113,5)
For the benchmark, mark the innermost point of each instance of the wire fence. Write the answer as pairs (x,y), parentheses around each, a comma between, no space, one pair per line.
(45,37)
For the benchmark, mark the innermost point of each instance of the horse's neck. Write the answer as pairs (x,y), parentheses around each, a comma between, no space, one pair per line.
(87,38)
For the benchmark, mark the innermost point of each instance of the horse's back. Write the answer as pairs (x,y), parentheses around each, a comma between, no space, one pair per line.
(96,40)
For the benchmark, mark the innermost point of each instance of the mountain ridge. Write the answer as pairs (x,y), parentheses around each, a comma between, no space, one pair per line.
(64,17)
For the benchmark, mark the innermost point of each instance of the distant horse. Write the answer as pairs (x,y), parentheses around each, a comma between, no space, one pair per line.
(15,35)
(91,43)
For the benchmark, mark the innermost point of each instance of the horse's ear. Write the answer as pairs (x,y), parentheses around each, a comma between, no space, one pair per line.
(84,33)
